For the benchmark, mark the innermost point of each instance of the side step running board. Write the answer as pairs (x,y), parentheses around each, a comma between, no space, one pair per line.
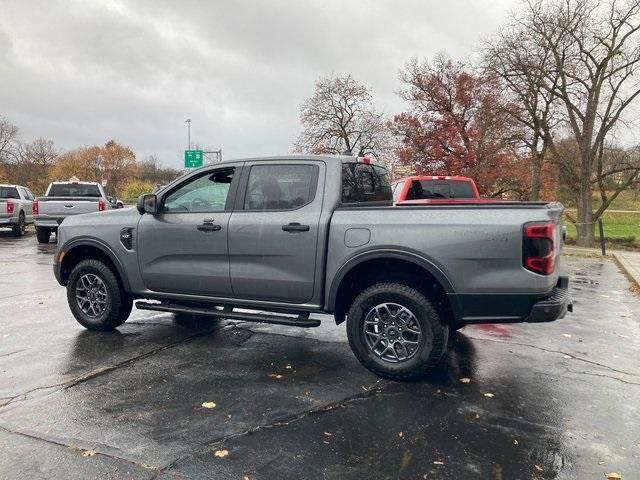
(302,320)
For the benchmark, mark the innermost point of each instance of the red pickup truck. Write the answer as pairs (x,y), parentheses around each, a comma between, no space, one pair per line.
(432,189)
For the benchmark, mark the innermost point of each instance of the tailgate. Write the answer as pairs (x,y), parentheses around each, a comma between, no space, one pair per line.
(3,209)
(60,207)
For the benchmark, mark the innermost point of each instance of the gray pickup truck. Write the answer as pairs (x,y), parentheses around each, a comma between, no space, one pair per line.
(15,208)
(276,239)
(64,199)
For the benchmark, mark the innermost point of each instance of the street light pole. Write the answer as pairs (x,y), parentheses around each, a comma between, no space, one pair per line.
(188,122)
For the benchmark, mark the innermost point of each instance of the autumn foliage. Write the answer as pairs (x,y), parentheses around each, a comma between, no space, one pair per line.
(459,124)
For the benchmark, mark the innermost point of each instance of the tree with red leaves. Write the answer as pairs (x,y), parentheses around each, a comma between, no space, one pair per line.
(459,124)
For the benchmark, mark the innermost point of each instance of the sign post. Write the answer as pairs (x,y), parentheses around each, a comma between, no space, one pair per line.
(193,158)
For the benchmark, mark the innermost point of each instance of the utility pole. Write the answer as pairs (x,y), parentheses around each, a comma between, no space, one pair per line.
(188,122)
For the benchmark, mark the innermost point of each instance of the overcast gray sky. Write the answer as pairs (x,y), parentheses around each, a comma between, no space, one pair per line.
(82,72)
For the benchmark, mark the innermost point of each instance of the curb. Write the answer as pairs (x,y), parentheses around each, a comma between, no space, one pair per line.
(629,271)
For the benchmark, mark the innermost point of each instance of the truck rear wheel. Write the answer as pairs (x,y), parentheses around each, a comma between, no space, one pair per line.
(395,331)
(18,229)
(95,297)
(43,234)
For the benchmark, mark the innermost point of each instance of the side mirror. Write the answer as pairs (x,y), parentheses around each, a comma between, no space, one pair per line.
(111,200)
(148,203)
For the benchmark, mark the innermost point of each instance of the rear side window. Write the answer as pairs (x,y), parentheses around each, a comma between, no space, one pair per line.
(425,189)
(73,190)
(9,192)
(280,187)
(365,183)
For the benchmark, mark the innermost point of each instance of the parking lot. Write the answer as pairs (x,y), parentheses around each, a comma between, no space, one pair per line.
(558,400)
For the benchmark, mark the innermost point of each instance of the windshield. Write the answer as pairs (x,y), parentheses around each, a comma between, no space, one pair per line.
(425,189)
(74,190)
(9,192)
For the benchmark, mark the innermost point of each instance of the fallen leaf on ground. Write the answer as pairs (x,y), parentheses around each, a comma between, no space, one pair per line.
(465,380)
(89,453)
(438,462)
(569,357)
(568,335)
(221,453)
(208,405)
(489,395)
(400,434)
(538,468)
(288,367)
(328,434)
(275,375)
(613,476)
(601,462)
(515,442)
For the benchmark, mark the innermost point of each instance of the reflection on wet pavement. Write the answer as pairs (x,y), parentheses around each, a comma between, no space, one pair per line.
(542,401)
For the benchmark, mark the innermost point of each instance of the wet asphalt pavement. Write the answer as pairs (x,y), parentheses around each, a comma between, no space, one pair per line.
(559,400)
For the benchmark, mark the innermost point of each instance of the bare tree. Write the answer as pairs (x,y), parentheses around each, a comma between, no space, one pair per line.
(9,146)
(35,161)
(520,62)
(340,117)
(593,55)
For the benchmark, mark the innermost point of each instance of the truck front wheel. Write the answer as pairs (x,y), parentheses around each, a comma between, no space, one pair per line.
(395,331)
(43,234)
(95,297)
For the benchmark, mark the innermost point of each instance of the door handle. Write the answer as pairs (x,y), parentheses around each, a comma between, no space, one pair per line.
(295,227)
(209,227)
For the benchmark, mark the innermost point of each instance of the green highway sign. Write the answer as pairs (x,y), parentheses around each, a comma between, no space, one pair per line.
(193,158)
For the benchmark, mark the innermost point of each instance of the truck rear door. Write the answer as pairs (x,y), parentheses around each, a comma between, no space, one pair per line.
(273,231)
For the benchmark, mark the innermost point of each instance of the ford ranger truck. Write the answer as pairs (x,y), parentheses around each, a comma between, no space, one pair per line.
(279,239)
(64,199)
(15,208)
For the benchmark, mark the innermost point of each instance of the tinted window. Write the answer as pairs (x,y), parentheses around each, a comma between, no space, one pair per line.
(73,190)
(365,183)
(280,187)
(440,189)
(207,193)
(9,192)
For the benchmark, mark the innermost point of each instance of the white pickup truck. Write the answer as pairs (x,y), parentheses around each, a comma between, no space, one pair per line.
(15,208)
(64,199)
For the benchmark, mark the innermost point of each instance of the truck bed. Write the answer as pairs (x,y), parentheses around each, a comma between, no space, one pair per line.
(476,249)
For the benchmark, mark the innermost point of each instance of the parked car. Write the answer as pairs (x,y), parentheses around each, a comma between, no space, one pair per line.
(432,189)
(115,203)
(317,234)
(15,208)
(65,199)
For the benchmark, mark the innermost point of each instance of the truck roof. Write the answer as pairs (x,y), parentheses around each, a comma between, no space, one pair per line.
(63,182)
(328,158)
(435,177)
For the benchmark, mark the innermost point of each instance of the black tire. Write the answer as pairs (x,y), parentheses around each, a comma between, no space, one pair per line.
(432,342)
(18,230)
(43,234)
(117,303)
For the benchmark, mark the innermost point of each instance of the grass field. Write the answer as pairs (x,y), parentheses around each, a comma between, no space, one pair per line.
(621,230)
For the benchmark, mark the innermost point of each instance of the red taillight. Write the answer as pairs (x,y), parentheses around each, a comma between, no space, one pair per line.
(10,207)
(539,253)
(101,205)
(34,207)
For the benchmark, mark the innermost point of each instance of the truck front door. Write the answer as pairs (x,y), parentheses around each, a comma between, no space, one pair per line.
(273,231)
(184,248)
